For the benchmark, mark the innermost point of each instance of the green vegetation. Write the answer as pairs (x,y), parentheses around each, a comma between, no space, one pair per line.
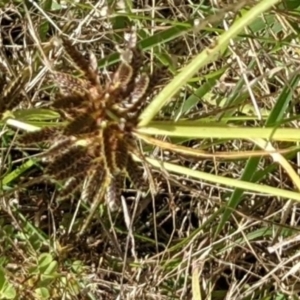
(218,140)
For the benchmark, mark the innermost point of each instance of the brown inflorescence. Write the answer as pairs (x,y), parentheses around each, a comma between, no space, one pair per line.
(94,149)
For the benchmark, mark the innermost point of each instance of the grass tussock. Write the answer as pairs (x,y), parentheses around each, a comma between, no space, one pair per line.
(149,150)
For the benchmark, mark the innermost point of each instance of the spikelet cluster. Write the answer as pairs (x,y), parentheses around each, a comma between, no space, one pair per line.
(93,151)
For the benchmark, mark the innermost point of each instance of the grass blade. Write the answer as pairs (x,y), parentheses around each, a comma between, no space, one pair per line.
(206,56)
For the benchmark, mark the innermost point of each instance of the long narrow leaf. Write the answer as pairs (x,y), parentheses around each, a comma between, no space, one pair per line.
(205,57)
(193,130)
(259,188)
